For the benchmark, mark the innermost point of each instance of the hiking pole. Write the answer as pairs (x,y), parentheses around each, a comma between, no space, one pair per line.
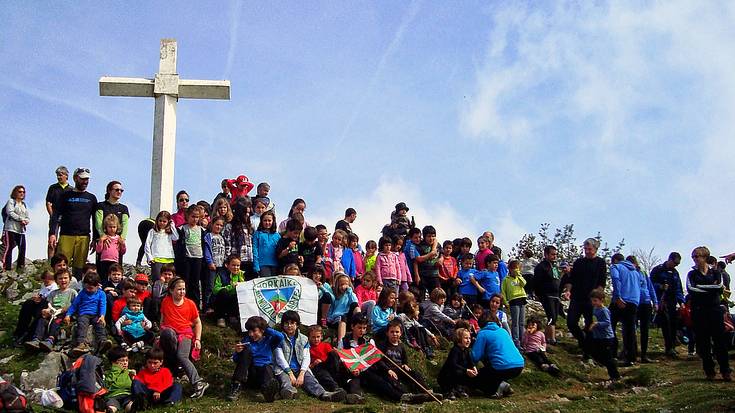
(411,377)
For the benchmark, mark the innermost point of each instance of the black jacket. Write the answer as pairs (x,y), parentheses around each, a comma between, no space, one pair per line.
(587,274)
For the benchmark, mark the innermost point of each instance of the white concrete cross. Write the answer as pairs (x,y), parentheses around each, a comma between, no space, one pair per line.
(167,88)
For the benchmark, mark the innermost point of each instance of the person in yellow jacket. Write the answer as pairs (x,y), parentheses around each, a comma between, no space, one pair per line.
(224,295)
(514,296)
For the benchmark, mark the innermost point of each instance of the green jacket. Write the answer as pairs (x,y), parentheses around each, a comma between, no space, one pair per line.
(118,382)
(224,280)
(512,288)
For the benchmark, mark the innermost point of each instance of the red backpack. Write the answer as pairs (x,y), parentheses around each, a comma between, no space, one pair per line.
(12,399)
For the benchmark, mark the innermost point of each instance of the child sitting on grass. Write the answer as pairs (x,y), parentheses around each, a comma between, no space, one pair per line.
(293,358)
(458,371)
(48,326)
(119,382)
(417,336)
(253,359)
(401,379)
(433,316)
(224,295)
(343,305)
(534,346)
(134,327)
(154,384)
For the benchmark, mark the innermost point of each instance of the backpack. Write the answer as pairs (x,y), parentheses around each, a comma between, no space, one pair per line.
(67,385)
(80,387)
(12,399)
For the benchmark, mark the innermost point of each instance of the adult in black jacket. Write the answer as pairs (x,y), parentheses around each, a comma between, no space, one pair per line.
(546,278)
(705,288)
(588,272)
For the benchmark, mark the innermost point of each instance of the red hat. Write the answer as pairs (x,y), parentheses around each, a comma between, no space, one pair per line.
(141,277)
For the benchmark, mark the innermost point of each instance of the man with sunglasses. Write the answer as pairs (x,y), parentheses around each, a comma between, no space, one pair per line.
(73,218)
(52,197)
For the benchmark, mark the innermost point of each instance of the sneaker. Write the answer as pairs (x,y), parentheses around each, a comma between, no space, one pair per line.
(507,390)
(221,323)
(199,388)
(726,377)
(646,360)
(270,390)
(104,346)
(138,346)
(338,395)
(692,354)
(125,346)
(234,393)
(354,398)
(47,345)
(288,394)
(79,350)
(554,370)
(129,407)
(33,345)
(451,396)
(462,394)
(672,354)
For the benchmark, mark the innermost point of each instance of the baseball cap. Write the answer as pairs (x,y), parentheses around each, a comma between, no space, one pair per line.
(141,277)
(82,173)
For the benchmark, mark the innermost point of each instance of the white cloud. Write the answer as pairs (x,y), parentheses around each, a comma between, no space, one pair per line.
(373,211)
(626,84)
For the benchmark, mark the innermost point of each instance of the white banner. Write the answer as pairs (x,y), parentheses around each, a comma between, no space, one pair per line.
(270,297)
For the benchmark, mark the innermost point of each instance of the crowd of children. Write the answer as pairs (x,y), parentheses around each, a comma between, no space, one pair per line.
(405,290)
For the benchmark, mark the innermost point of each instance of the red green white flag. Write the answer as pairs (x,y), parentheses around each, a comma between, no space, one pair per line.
(361,357)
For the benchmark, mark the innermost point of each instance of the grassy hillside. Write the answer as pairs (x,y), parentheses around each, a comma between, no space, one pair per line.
(660,387)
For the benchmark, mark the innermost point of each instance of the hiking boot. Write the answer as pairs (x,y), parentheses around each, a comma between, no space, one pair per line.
(47,345)
(270,390)
(354,398)
(338,395)
(199,388)
(234,393)
(288,394)
(79,350)
(221,323)
(33,345)
(104,346)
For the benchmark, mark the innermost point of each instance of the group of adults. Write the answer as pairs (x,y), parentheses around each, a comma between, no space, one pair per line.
(636,296)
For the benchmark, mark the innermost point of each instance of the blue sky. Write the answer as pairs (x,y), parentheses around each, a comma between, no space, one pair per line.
(616,117)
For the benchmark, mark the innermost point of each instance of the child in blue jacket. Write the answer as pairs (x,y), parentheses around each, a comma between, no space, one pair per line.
(466,280)
(489,280)
(89,308)
(253,359)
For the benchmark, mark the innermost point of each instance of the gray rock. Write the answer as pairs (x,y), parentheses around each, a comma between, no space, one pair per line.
(11,292)
(45,377)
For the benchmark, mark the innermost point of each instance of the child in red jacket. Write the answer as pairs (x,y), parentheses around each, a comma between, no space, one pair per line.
(154,384)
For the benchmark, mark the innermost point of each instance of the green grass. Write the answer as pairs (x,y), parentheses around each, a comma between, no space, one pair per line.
(676,385)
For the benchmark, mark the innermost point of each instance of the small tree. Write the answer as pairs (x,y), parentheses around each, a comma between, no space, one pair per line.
(564,241)
(646,259)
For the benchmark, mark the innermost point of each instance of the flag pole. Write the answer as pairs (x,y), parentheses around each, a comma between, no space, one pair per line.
(411,377)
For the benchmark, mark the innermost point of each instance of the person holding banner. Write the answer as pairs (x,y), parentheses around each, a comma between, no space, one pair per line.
(224,296)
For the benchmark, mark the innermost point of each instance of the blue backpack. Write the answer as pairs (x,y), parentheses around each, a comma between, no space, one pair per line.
(67,384)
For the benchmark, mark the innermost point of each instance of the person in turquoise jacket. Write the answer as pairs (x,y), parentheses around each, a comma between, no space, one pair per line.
(343,303)
(265,239)
(500,358)
(383,313)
